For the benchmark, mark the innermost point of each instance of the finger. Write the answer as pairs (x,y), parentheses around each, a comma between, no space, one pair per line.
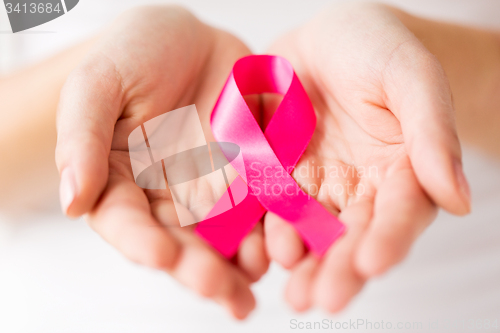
(165,212)
(283,244)
(419,95)
(210,275)
(88,109)
(402,211)
(123,218)
(201,269)
(337,280)
(299,287)
(251,256)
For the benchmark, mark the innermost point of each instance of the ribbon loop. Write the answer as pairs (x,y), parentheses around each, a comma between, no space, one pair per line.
(268,157)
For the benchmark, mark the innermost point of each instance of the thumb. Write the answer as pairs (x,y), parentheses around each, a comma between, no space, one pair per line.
(89,107)
(419,95)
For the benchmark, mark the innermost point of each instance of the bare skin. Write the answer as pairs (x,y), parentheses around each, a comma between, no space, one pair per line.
(384,100)
(381,101)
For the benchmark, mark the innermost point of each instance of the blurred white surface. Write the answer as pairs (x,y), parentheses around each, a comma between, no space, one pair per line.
(56,275)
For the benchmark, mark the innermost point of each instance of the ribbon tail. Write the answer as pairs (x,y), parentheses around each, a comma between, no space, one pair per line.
(225,232)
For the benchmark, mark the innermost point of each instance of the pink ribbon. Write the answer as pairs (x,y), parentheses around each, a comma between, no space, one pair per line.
(278,148)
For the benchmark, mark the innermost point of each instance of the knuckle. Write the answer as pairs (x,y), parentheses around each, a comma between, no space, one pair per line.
(156,255)
(209,281)
(157,260)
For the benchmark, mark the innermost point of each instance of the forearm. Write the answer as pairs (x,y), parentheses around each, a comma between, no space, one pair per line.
(471,60)
(28,104)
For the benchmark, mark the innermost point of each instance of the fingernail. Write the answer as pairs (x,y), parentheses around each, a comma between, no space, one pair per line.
(462,182)
(244,303)
(67,189)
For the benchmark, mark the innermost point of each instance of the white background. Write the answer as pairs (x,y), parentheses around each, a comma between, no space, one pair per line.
(56,275)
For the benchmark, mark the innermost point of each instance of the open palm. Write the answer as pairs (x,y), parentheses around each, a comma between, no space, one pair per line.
(384,155)
(151,60)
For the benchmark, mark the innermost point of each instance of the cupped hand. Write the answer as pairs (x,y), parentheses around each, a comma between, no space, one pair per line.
(384,156)
(150,61)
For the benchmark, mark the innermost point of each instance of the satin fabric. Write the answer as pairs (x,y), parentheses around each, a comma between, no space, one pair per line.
(266,153)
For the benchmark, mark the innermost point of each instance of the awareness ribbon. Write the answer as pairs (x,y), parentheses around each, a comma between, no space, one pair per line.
(278,148)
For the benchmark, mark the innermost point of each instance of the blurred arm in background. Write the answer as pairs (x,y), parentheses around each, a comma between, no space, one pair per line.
(471,59)
(28,104)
